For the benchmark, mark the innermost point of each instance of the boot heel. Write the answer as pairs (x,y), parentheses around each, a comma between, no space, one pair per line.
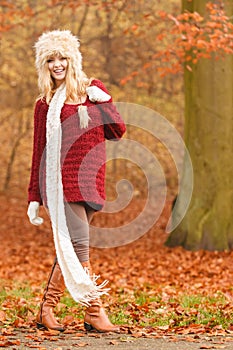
(88,327)
(41,326)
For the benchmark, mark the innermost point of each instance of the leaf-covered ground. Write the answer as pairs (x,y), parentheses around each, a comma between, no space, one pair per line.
(155,290)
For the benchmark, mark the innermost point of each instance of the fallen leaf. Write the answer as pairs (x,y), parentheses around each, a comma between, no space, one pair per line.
(113,342)
(2,316)
(81,345)
(127,340)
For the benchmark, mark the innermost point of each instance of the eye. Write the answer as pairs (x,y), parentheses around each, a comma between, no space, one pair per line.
(50,60)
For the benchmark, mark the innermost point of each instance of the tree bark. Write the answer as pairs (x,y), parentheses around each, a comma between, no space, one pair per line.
(208,223)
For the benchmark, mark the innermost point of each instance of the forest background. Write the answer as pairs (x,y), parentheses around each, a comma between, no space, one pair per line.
(113,47)
(119,40)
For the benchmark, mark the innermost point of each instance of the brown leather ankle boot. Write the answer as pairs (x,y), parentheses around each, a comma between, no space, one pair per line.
(52,294)
(95,318)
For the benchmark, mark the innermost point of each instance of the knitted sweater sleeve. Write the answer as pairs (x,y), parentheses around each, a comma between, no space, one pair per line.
(39,142)
(114,126)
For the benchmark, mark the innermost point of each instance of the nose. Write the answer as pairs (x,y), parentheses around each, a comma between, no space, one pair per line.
(57,62)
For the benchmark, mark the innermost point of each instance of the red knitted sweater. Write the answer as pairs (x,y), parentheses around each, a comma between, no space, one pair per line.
(82,151)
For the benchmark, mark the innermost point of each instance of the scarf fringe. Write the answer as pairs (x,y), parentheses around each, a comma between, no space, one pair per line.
(83,117)
(93,295)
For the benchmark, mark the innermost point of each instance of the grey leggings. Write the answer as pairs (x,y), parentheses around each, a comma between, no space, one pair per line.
(78,218)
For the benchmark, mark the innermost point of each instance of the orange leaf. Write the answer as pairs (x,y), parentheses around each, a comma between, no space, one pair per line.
(2,316)
(81,345)
(134,27)
(189,68)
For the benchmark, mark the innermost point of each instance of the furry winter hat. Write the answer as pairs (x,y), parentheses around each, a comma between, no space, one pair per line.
(60,42)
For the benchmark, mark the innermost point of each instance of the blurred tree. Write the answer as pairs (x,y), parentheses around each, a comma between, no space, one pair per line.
(208,134)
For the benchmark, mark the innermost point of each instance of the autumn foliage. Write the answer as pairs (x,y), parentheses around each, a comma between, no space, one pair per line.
(151,285)
(193,37)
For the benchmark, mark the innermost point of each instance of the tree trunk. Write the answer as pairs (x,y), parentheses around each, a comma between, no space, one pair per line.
(208,223)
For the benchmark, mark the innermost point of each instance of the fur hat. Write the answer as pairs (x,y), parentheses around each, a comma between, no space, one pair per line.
(60,42)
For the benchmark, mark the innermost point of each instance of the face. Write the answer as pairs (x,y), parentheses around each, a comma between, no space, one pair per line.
(58,68)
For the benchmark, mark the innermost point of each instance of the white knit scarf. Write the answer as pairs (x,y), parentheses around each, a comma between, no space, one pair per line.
(81,286)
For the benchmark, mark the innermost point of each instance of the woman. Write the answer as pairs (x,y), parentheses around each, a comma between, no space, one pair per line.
(72,118)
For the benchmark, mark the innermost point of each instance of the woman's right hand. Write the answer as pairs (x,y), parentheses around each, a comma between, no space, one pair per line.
(32,213)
